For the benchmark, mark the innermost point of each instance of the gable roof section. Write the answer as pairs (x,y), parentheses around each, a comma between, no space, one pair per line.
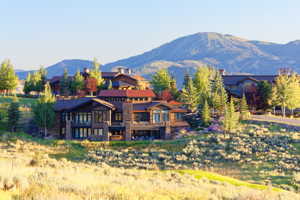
(109,74)
(126,93)
(62,105)
(235,79)
(148,105)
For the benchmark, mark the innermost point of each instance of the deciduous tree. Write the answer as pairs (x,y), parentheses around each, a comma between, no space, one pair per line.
(161,80)
(8,78)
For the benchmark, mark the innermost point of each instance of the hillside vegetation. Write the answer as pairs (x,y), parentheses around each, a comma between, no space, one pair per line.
(32,168)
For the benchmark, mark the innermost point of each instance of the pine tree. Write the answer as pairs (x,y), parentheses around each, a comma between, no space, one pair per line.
(8,78)
(161,80)
(265,93)
(43,112)
(109,86)
(189,95)
(77,83)
(206,118)
(64,84)
(28,84)
(42,74)
(13,115)
(219,94)
(244,110)
(96,73)
(202,82)
(231,117)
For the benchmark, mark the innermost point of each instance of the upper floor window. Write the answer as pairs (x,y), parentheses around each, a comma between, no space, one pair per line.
(178,116)
(165,115)
(118,116)
(100,116)
(156,116)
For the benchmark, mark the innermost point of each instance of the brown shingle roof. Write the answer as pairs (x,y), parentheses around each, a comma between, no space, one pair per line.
(126,93)
(61,105)
(235,79)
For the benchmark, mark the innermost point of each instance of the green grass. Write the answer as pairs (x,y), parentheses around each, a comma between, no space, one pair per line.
(23,101)
(199,174)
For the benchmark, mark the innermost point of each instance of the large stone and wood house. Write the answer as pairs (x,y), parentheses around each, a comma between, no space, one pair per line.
(118,115)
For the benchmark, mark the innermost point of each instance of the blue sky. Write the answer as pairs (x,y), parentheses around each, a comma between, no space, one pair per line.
(35,32)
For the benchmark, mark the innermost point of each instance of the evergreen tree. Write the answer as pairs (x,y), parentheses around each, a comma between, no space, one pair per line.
(189,95)
(13,115)
(206,118)
(109,86)
(43,112)
(265,93)
(42,76)
(96,73)
(161,80)
(77,83)
(231,117)
(64,84)
(8,78)
(244,110)
(174,91)
(28,84)
(219,94)
(202,82)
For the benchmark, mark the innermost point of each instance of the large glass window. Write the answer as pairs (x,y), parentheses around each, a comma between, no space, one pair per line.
(156,116)
(141,116)
(100,116)
(98,132)
(81,133)
(178,116)
(165,115)
(118,116)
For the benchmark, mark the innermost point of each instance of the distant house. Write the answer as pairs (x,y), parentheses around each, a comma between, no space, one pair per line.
(118,115)
(121,80)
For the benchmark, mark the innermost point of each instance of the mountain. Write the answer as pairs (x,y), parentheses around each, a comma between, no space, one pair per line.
(58,68)
(185,54)
(228,52)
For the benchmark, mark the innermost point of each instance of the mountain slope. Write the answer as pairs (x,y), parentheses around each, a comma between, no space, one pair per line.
(222,51)
(57,69)
(185,54)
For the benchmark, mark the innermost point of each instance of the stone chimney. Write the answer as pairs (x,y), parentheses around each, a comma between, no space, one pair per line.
(222,72)
(121,70)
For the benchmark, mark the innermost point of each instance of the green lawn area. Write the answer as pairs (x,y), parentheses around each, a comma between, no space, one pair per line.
(23,101)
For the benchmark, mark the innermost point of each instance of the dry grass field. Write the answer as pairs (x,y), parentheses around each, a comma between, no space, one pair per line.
(28,170)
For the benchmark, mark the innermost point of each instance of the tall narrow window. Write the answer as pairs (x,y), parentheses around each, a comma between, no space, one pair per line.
(156,116)
(165,115)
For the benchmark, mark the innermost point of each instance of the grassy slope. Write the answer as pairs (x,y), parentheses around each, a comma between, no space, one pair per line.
(75,150)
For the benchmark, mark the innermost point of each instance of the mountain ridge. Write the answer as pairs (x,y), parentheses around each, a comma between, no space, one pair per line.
(185,54)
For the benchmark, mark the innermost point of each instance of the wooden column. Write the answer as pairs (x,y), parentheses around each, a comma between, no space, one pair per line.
(68,130)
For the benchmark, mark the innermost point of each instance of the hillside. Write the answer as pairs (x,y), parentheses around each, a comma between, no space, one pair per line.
(187,53)
(222,51)
(38,169)
(58,68)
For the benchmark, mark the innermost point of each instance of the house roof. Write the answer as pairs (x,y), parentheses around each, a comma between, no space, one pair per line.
(146,106)
(235,79)
(109,74)
(61,105)
(126,93)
